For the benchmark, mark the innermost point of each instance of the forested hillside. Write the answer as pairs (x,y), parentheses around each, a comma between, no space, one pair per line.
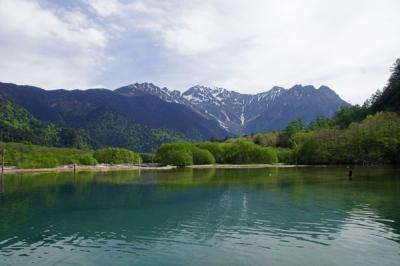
(73,124)
(17,125)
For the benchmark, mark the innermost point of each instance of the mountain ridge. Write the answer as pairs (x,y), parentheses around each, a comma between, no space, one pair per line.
(198,113)
(237,112)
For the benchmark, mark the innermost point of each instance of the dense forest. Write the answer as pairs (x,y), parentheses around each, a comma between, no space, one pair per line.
(17,125)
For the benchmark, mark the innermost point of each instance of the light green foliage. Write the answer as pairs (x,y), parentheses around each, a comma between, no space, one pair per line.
(246,152)
(179,154)
(301,137)
(87,159)
(183,154)
(215,148)
(33,156)
(374,140)
(116,156)
(234,152)
(202,156)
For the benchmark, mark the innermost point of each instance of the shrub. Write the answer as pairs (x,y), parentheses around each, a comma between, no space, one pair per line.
(246,152)
(179,154)
(202,156)
(235,152)
(116,156)
(264,155)
(214,148)
(39,162)
(148,157)
(179,158)
(285,155)
(34,156)
(87,159)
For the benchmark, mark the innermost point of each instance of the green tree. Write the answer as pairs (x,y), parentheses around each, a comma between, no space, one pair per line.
(202,156)
(116,156)
(389,98)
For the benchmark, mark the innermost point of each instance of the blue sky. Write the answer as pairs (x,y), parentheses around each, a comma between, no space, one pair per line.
(244,45)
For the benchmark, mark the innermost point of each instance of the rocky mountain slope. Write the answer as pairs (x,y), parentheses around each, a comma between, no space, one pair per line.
(246,113)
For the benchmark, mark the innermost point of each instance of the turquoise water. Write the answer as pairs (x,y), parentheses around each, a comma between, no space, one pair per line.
(309,216)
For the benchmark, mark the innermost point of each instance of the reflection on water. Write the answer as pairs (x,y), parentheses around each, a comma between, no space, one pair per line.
(309,216)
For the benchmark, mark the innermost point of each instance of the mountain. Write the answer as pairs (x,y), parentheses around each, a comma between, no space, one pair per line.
(141,116)
(159,121)
(246,113)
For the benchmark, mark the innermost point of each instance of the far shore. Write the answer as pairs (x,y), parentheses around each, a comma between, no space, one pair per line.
(127,167)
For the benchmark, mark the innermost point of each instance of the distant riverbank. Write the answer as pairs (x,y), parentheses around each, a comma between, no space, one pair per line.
(99,168)
(127,167)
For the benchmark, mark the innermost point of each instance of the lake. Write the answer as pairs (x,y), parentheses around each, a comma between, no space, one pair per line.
(275,216)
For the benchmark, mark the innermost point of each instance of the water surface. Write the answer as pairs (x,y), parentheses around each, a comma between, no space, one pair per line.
(305,216)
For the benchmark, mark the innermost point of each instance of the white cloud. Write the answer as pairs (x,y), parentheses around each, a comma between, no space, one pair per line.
(49,48)
(348,45)
(106,7)
(239,44)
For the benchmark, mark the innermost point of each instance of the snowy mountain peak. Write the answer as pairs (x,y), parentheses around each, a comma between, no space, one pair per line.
(243,113)
(138,89)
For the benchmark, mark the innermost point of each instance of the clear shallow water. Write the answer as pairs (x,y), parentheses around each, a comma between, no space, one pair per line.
(310,216)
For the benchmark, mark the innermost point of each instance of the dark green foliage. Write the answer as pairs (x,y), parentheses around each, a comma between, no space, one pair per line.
(116,156)
(347,115)
(320,122)
(374,140)
(389,98)
(17,125)
(108,128)
(286,155)
(71,138)
(147,157)
(33,156)
(294,127)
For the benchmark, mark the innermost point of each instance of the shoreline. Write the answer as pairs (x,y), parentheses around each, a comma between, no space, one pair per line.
(245,166)
(124,167)
(129,167)
(87,168)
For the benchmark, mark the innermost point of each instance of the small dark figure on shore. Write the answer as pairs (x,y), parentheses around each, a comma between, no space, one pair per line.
(350,174)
